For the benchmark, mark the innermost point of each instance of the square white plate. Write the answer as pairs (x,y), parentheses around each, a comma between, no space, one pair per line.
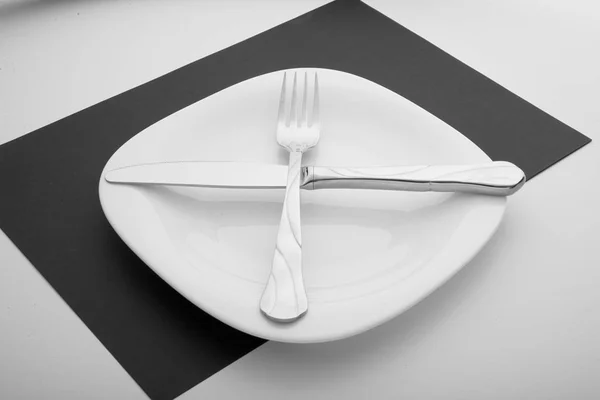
(368,255)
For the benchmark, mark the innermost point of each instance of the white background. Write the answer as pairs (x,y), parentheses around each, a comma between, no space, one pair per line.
(521,320)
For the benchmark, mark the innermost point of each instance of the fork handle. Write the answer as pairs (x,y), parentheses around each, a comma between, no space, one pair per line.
(284,298)
(499,178)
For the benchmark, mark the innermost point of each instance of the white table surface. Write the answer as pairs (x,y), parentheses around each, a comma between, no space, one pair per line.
(521,320)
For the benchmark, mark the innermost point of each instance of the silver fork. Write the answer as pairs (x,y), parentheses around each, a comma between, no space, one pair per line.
(284,298)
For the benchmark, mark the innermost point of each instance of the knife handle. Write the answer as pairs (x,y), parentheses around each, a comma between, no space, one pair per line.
(498,178)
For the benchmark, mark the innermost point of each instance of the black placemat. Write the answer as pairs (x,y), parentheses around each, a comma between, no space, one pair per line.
(49,205)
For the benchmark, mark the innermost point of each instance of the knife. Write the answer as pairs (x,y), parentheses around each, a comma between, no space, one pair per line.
(498,178)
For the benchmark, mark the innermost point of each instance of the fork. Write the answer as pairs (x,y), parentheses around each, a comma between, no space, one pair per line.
(284,298)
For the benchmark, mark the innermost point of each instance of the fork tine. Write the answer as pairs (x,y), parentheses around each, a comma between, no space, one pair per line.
(281,115)
(303,117)
(293,110)
(315,114)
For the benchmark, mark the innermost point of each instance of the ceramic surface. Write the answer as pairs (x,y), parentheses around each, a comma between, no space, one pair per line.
(368,255)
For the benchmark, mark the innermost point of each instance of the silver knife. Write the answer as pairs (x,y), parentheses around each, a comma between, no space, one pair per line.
(498,178)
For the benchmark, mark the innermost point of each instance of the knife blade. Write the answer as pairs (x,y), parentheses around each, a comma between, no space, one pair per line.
(498,178)
(218,174)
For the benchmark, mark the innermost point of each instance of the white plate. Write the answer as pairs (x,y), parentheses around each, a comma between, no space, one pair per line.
(368,255)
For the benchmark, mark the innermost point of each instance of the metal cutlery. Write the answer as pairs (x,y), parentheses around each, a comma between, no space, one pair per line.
(284,298)
(498,178)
